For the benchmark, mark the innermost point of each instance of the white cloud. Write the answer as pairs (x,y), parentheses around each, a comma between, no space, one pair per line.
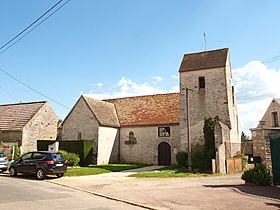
(99,84)
(256,85)
(157,79)
(126,87)
(175,76)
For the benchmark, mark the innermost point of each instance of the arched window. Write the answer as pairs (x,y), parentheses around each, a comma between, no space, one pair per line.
(131,136)
(79,136)
(131,139)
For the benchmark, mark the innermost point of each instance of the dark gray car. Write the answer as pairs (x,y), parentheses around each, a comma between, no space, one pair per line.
(40,164)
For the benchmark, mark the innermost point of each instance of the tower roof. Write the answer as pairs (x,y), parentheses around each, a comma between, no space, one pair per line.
(204,60)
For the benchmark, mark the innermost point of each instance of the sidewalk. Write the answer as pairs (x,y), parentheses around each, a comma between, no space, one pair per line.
(215,192)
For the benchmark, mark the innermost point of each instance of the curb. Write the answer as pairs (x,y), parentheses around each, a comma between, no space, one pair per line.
(255,196)
(106,196)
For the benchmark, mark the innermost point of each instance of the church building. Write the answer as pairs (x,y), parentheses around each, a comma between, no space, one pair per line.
(151,129)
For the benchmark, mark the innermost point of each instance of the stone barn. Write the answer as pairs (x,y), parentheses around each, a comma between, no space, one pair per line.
(25,123)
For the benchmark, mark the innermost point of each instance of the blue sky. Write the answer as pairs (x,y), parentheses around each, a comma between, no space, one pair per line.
(109,48)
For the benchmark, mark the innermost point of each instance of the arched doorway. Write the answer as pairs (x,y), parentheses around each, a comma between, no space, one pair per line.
(164,154)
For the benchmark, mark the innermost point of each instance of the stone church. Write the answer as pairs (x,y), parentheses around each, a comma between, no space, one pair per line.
(152,129)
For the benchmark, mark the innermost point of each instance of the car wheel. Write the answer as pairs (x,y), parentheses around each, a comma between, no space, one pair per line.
(40,174)
(59,175)
(13,171)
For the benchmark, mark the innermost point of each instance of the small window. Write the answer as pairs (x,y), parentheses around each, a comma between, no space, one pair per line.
(164,131)
(79,136)
(201,81)
(274,116)
(131,136)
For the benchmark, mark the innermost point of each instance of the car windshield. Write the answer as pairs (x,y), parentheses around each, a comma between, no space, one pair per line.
(2,155)
(57,157)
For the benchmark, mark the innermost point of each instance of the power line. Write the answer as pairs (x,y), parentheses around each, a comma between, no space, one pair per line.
(19,34)
(270,60)
(36,91)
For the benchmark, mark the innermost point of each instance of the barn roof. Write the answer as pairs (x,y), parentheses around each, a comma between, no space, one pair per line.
(156,109)
(204,60)
(16,116)
(103,111)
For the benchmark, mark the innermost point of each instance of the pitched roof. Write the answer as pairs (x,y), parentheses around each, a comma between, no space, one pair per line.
(103,111)
(277,100)
(15,116)
(148,110)
(204,60)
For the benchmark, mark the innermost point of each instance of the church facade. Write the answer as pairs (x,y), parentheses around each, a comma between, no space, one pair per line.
(152,129)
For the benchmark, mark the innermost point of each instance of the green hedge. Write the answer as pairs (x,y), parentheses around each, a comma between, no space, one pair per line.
(83,148)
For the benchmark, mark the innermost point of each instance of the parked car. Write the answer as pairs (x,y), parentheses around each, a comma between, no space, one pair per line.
(40,164)
(3,162)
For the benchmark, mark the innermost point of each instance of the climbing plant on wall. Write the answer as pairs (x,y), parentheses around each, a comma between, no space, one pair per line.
(209,136)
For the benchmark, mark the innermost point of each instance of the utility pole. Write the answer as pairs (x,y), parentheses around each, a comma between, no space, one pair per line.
(188,130)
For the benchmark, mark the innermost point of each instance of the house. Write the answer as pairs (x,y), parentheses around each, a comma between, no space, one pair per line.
(25,123)
(262,134)
(153,128)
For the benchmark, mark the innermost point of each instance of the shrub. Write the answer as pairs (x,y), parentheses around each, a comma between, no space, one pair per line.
(16,151)
(182,158)
(258,175)
(72,158)
(198,161)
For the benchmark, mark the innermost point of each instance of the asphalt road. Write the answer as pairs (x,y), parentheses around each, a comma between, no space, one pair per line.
(197,193)
(24,193)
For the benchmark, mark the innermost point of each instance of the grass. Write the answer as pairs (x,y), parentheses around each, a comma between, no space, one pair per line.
(170,172)
(100,169)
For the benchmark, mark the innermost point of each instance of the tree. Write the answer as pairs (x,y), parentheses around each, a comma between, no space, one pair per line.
(244,136)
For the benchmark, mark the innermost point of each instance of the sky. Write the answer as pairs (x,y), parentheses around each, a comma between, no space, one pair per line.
(110,48)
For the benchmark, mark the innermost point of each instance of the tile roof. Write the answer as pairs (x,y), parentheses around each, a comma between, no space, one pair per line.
(103,111)
(15,116)
(148,110)
(204,60)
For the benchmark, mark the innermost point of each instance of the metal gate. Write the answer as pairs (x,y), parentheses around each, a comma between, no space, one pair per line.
(275,156)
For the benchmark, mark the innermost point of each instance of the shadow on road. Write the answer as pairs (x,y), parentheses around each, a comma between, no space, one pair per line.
(27,176)
(270,192)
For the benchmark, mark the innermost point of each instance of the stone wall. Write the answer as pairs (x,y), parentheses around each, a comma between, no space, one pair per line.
(108,145)
(11,135)
(80,123)
(144,147)
(261,145)
(43,126)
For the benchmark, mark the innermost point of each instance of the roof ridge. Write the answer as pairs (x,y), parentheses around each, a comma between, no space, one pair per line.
(24,103)
(140,96)
(208,51)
